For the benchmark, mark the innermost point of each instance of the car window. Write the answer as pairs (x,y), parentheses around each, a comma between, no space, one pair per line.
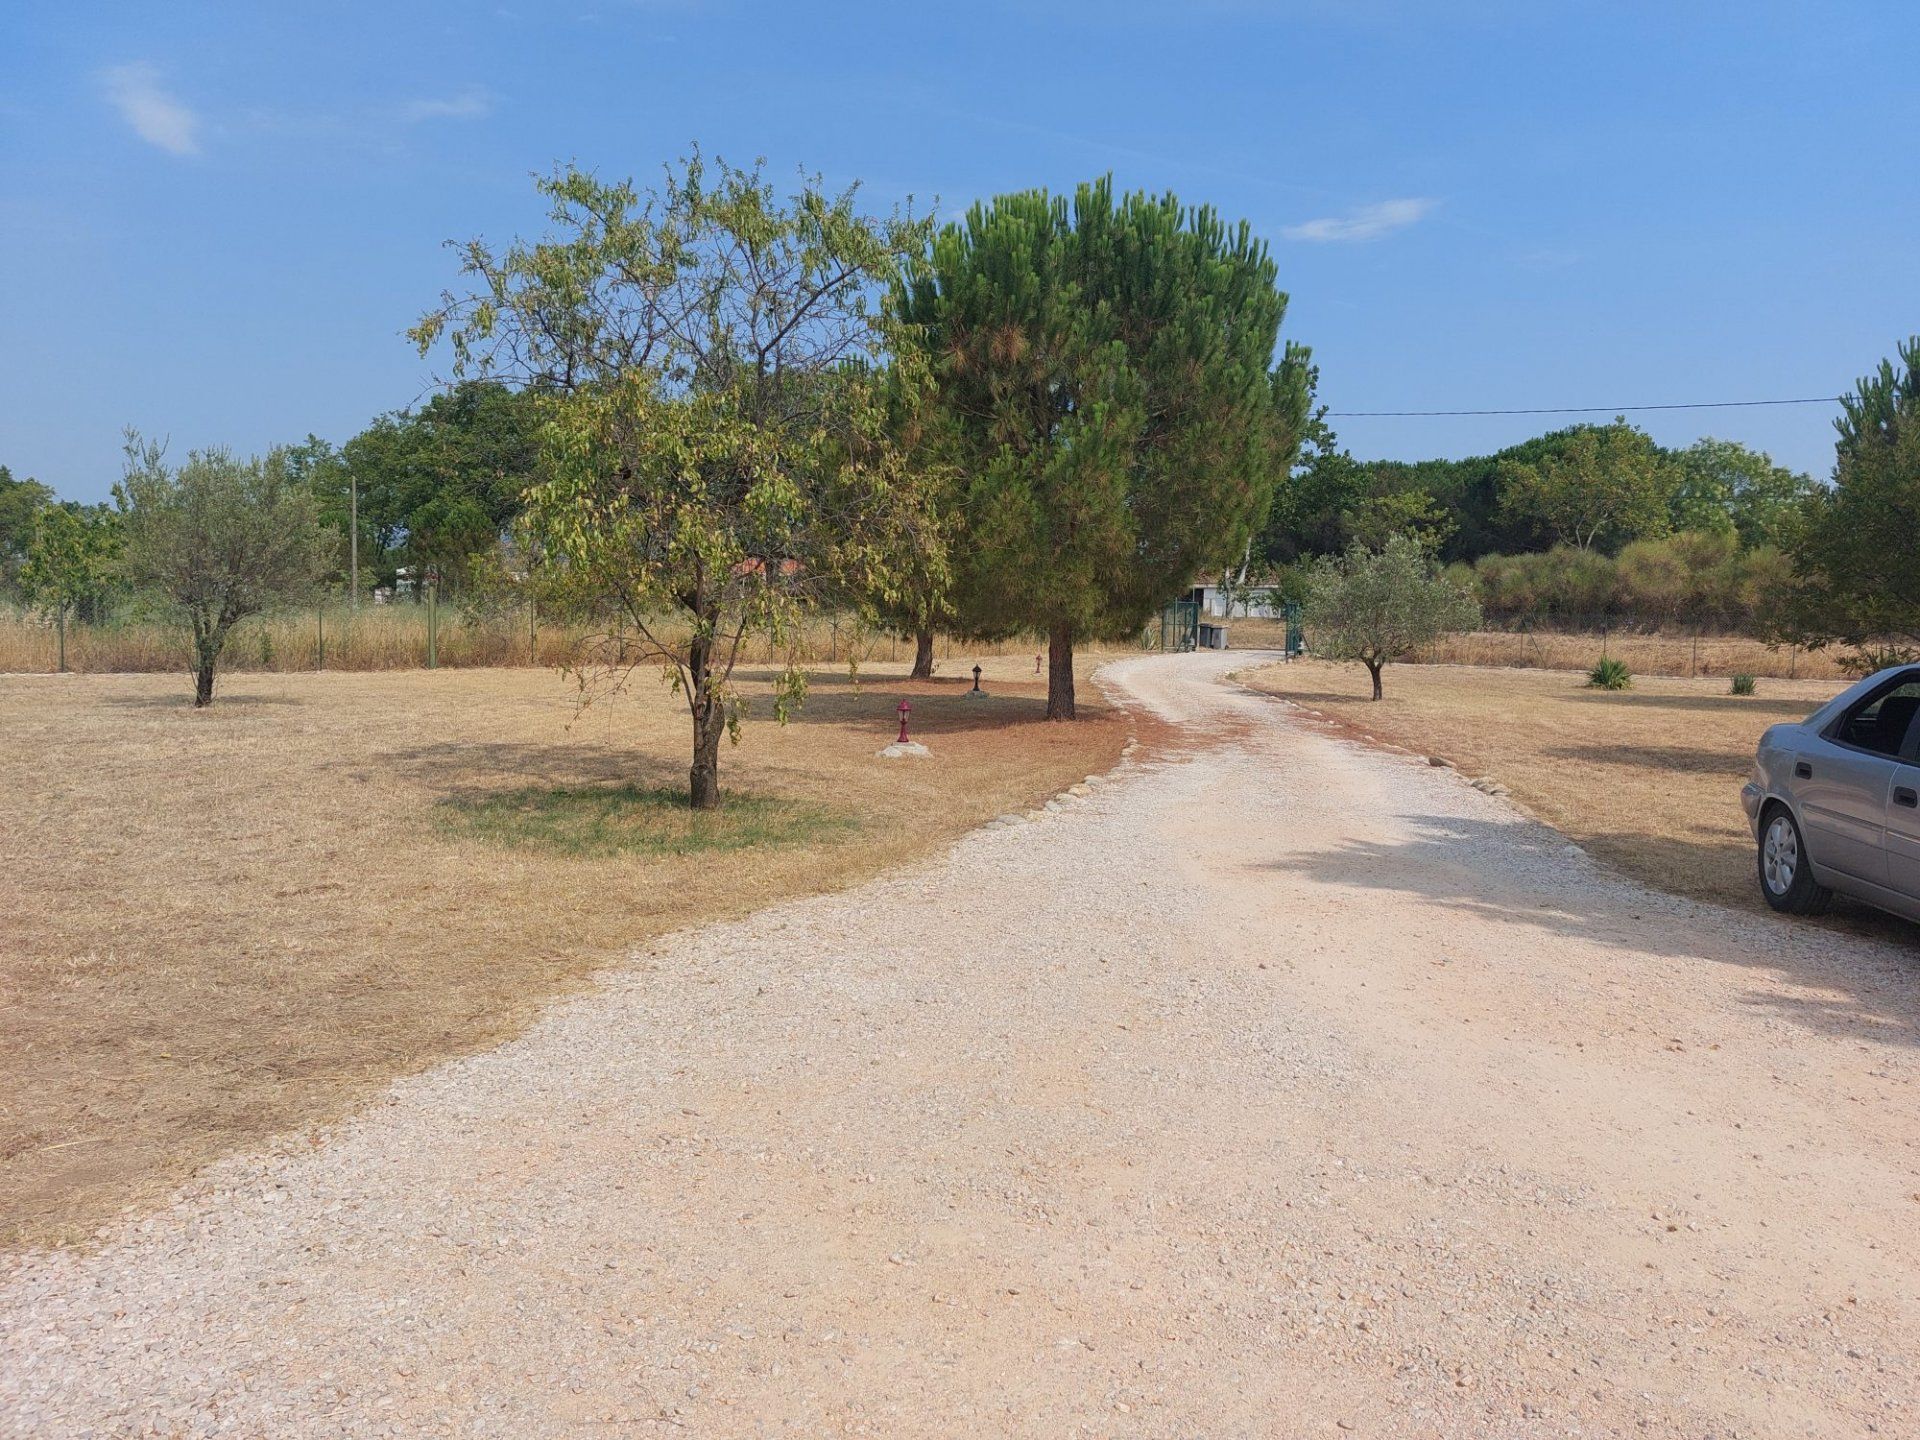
(1880,722)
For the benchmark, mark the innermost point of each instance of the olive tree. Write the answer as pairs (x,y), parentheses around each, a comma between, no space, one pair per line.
(1376,606)
(720,455)
(216,539)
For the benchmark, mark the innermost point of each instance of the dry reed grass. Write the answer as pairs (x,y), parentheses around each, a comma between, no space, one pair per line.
(231,923)
(394,637)
(1645,654)
(1647,779)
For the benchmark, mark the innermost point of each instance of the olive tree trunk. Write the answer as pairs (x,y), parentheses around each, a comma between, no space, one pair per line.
(1374,667)
(208,640)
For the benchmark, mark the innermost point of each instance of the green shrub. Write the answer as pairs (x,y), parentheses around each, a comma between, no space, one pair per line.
(1610,674)
(1743,684)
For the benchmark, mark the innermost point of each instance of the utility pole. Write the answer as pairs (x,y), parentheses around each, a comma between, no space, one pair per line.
(353,527)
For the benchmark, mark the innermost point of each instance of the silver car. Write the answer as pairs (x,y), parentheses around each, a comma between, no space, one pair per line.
(1835,800)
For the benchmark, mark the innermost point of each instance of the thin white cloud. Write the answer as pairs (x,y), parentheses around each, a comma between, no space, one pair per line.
(1369,222)
(467,105)
(156,117)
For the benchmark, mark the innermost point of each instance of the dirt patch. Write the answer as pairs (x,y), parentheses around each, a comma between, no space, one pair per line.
(227,924)
(1647,779)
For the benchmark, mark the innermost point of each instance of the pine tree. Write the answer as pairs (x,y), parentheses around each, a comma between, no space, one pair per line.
(1106,372)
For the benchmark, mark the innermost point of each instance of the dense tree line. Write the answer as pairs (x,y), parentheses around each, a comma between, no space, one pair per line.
(1594,488)
(699,411)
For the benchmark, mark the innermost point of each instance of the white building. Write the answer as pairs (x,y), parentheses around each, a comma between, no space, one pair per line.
(1255,602)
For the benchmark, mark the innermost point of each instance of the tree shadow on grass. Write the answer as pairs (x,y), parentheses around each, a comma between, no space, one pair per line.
(1514,873)
(596,821)
(940,706)
(1692,759)
(223,701)
(1778,709)
(474,768)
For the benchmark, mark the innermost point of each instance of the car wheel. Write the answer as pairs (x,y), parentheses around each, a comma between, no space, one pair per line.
(1786,880)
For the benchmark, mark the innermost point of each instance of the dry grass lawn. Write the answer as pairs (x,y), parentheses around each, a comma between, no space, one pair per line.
(1647,779)
(229,924)
(1645,654)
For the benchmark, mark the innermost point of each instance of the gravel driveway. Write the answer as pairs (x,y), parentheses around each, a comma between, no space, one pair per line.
(1275,1087)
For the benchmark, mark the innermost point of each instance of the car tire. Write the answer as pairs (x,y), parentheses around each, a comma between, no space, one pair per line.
(1786,879)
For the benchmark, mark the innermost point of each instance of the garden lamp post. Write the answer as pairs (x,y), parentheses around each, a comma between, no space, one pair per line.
(904,709)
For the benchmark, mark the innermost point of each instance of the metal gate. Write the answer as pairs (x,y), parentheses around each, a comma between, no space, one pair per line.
(1179,626)
(1296,636)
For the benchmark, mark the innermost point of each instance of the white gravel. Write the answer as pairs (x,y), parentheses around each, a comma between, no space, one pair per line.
(1272,1087)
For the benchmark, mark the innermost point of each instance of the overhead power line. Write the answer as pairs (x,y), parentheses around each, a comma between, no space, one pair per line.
(1581,409)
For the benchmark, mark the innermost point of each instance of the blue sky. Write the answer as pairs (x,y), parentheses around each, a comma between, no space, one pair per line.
(215,220)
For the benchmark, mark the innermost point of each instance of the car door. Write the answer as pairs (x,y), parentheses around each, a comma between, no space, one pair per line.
(1903,819)
(1844,780)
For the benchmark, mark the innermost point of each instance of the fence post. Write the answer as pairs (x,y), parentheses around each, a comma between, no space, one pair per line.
(63,638)
(433,623)
(533,631)
(320,616)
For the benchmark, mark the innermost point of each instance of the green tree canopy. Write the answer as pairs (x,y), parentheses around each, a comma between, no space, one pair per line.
(69,561)
(720,452)
(1606,485)
(1107,371)
(216,539)
(1856,554)
(21,502)
(1723,485)
(1377,606)
(1879,402)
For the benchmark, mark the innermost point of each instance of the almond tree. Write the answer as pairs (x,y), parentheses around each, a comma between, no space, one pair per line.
(720,458)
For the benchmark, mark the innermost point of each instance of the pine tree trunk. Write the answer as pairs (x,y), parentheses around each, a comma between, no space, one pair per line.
(923,655)
(1060,673)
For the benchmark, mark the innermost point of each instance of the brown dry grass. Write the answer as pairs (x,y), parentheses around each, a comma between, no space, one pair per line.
(227,924)
(1645,654)
(394,637)
(1647,779)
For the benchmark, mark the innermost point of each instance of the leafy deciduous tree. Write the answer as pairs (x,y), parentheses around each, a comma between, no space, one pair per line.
(1606,485)
(1724,485)
(69,561)
(21,502)
(720,453)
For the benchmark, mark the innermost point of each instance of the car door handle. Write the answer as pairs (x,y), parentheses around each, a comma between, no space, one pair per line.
(1803,770)
(1905,795)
